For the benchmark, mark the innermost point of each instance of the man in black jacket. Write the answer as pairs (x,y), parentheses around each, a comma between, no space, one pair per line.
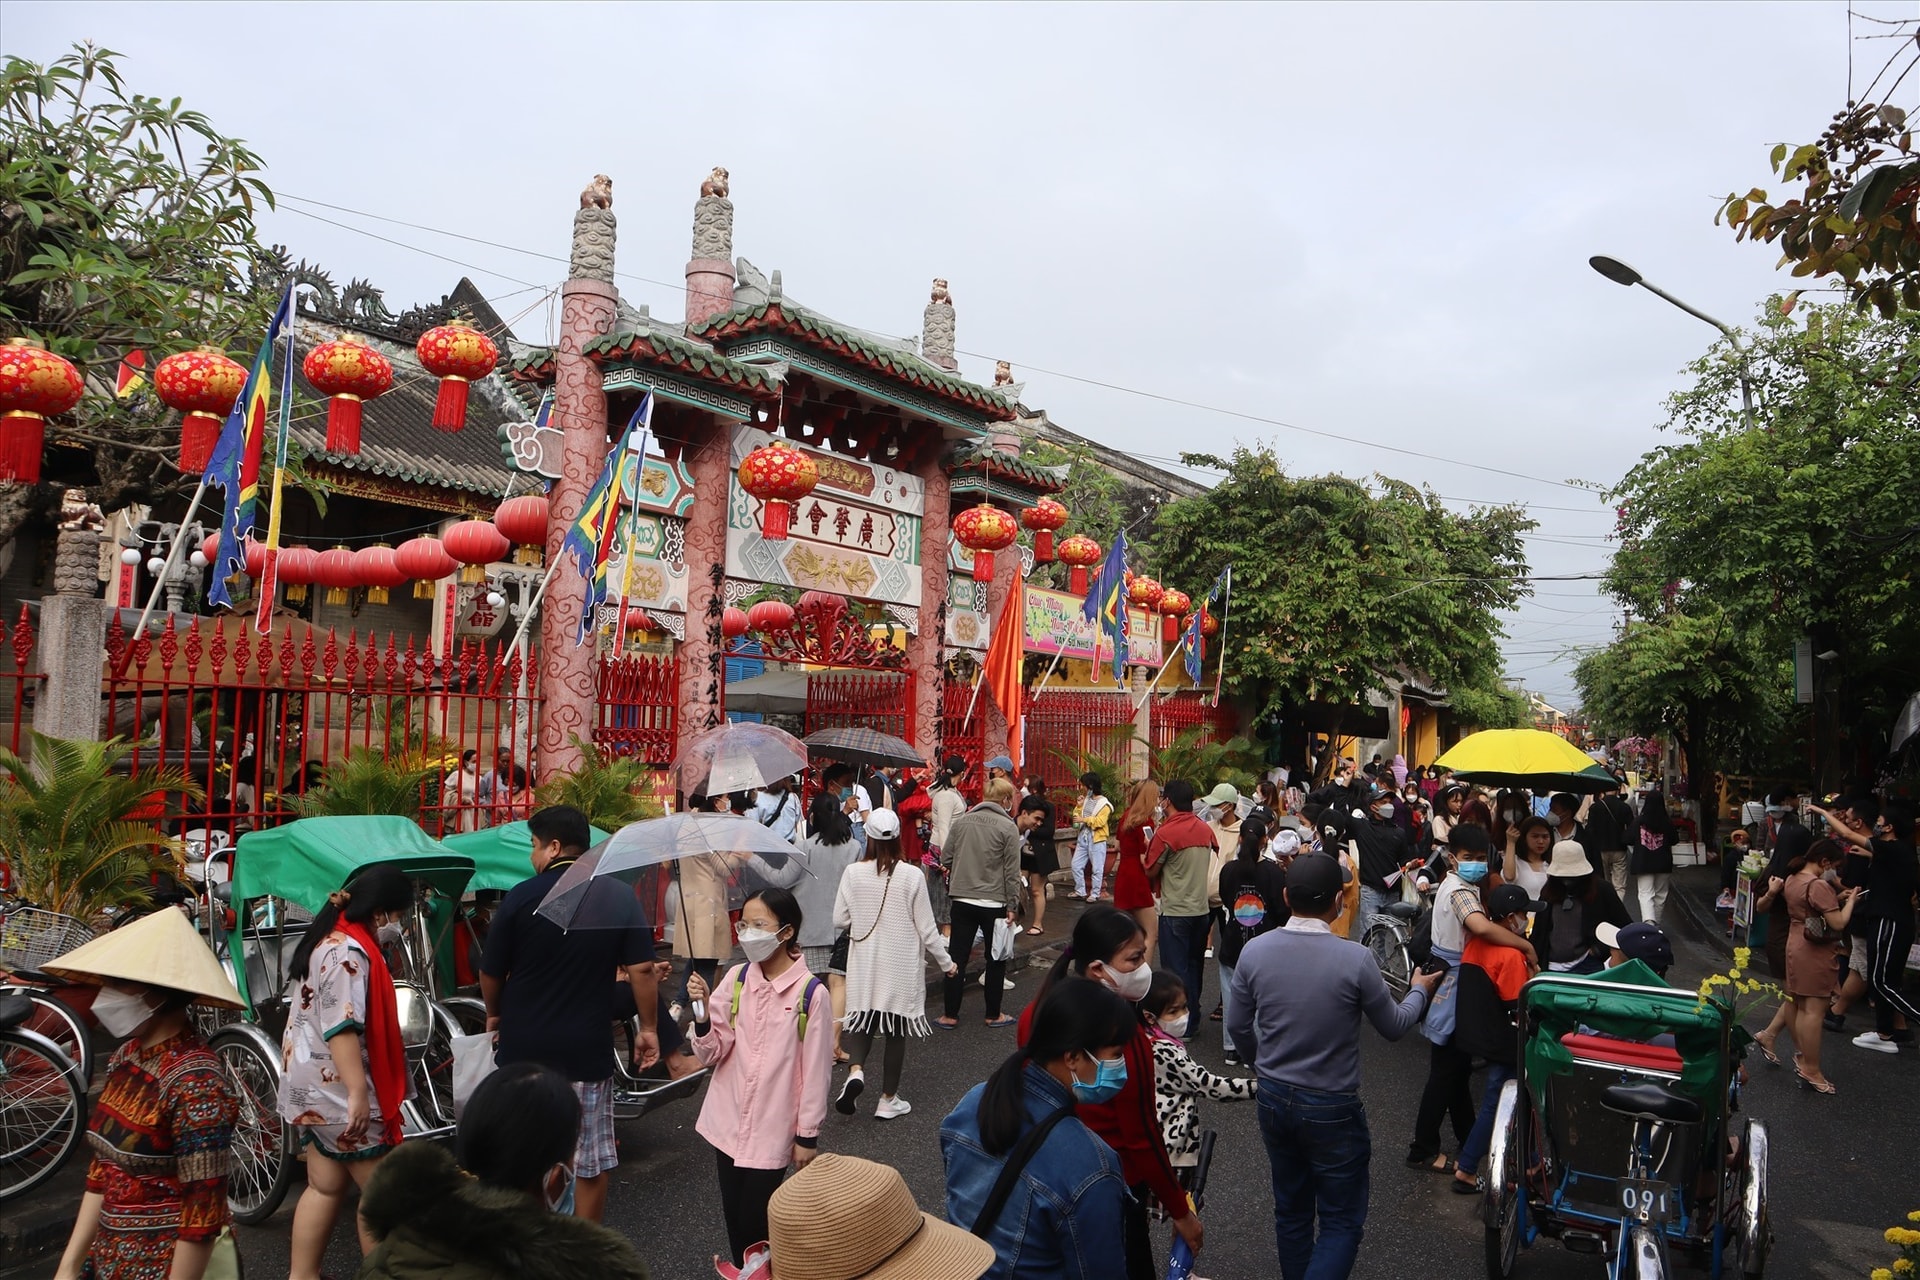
(1383,848)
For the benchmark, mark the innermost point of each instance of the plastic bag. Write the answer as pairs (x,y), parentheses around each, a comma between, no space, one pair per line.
(1003,931)
(472,1063)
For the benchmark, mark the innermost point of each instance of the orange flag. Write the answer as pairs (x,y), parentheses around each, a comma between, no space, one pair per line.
(1006,655)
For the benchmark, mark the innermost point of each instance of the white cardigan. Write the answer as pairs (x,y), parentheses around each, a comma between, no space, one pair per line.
(889,923)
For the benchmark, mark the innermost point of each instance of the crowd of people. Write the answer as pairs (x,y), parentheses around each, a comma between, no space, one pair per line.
(1091,1132)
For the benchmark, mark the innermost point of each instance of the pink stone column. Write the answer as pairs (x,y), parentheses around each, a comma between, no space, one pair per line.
(701,686)
(709,290)
(924,650)
(567,689)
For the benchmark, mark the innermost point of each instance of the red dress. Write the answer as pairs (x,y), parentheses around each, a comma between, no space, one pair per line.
(1131,889)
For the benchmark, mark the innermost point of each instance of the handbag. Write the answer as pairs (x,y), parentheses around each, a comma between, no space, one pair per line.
(472,1063)
(1815,926)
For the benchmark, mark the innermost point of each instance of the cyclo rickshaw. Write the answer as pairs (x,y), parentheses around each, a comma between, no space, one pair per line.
(1618,1135)
(274,881)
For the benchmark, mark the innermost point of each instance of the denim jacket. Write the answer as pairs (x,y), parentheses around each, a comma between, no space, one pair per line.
(1063,1219)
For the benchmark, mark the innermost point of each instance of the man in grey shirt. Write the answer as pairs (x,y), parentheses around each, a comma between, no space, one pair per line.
(1298,995)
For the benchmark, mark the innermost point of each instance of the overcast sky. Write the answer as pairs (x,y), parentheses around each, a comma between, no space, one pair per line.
(1370,221)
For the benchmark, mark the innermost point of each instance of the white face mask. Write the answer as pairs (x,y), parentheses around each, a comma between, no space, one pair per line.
(1176,1027)
(121,1012)
(391,933)
(758,944)
(1132,984)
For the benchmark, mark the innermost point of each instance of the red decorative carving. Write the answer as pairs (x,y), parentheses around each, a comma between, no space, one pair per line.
(825,632)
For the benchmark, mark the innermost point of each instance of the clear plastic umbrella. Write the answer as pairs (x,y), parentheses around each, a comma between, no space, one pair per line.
(735,757)
(623,882)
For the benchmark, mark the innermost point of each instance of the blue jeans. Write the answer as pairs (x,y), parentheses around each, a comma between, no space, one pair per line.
(1183,951)
(1474,1149)
(1373,902)
(1226,1006)
(1320,1152)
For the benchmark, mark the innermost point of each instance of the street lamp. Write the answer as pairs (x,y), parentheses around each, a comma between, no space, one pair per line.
(1622,274)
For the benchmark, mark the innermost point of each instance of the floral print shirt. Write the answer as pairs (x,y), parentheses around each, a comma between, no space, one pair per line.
(329,1000)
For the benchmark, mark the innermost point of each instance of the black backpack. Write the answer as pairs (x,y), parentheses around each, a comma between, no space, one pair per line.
(1420,945)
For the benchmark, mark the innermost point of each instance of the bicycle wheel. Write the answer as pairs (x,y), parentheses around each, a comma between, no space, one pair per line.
(43,1111)
(471,1014)
(1389,948)
(262,1150)
(432,1073)
(53,1019)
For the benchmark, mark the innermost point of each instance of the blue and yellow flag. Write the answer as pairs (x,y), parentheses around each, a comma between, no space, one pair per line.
(596,529)
(1106,605)
(234,466)
(1193,641)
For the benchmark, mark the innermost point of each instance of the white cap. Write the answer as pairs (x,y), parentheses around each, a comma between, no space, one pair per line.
(883,824)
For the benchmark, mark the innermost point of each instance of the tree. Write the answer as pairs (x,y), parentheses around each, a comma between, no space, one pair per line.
(1101,502)
(1337,586)
(126,224)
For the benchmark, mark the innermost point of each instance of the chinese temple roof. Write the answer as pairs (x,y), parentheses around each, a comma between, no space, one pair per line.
(985,471)
(655,346)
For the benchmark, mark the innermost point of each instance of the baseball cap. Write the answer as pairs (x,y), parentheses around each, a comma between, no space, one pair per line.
(1001,762)
(1313,880)
(883,824)
(1639,941)
(1225,793)
(1510,899)
(1285,843)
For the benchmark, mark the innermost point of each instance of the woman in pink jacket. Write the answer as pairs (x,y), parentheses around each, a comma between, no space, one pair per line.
(766,1029)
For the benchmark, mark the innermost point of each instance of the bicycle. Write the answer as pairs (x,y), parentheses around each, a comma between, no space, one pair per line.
(43,1103)
(30,938)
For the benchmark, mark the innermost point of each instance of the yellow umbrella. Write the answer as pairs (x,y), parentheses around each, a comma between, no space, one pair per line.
(1531,758)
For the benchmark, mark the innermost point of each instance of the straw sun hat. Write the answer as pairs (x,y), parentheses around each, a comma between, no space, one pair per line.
(160,950)
(842,1217)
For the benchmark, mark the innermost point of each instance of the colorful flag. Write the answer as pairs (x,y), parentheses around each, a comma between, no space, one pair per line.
(1006,656)
(234,466)
(639,432)
(596,529)
(1106,605)
(1193,641)
(131,376)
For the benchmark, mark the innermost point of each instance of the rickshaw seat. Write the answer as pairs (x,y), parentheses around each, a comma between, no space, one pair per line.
(1651,1101)
(1632,1054)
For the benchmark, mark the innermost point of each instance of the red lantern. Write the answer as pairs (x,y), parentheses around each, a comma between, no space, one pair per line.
(1173,603)
(984,530)
(295,569)
(524,521)
(779,475)
(769,616)
(1209,625)
(347,372)
(638,620)
(35,385)
(475,544)
(210,549)
(734,623)
(1144,593)
(379,572)
(1043,517)
(456,353)
(202,385)
(1080,552)
(337,572)
(426,561)
(256,559)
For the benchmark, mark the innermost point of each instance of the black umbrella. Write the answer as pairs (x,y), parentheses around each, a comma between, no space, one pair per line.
(863,746)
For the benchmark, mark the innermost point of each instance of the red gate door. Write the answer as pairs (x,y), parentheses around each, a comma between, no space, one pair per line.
(877,700)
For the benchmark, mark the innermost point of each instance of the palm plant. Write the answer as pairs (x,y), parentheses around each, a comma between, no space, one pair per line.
(65,830)
(1106,761)
(602,788)
(365,782)
(1205,763)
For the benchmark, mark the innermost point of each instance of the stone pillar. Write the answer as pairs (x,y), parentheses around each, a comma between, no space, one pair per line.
(72,640)
(937,329)
(702,705)
(710,270)
(926,652)
(1138,758)
(589,305)
(1005,565)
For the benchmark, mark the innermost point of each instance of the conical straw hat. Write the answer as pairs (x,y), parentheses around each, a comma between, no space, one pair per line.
(160,950)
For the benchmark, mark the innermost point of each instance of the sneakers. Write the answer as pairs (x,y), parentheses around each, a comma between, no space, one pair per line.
(1233,1059)
(850,1093)
(1007,983)
(891,1108)
(1874,1041)
(1834,1021)
(758,1265)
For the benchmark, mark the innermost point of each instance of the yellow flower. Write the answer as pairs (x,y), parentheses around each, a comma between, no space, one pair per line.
(1881,1273)
(1914,1216)
(1903,1266)
(1735,973)
(1902,1236)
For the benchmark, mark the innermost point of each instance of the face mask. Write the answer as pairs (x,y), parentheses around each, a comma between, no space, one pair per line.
(391,933)
(1383,811)
(1107,1084)
(758,944)
(563,1203)
(471,765)
(1176,1027)
(1472,872)
(120,1012)
(1132,985)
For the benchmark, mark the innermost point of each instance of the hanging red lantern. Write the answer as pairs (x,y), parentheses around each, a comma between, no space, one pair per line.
(296,570)
(1043,517)
(524,522)
(638,620)
(769,616)
(984,530)
(779,475)
(1209,625)
(426,561)
(347,373)
(210,549)
(1144,593)
(336,571)
(379,572)
(1080,552)
(202,384)
(1173,603)
(35,385)
(456,353)
(256,559)
(475,544)
(734,623)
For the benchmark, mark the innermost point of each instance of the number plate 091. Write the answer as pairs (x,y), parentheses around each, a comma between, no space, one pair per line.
(1645,1200)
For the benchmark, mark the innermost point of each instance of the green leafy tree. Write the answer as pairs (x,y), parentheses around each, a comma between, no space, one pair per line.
(126,224)
(1337,585)
(606,789)
(365,782)
(1101,502)
(65,831)
(1206,763)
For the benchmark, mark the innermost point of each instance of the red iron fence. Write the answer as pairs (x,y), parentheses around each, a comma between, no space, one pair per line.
(1176,713)
(17,678)
(1064,725)
(844,699)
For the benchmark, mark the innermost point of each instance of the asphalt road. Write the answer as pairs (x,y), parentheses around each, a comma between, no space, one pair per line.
(1842,1172)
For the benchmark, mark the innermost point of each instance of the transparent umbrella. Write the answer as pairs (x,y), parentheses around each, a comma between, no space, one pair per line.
(623,882)
(735,757)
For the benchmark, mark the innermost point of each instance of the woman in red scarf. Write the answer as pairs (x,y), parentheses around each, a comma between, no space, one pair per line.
(346,1068)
